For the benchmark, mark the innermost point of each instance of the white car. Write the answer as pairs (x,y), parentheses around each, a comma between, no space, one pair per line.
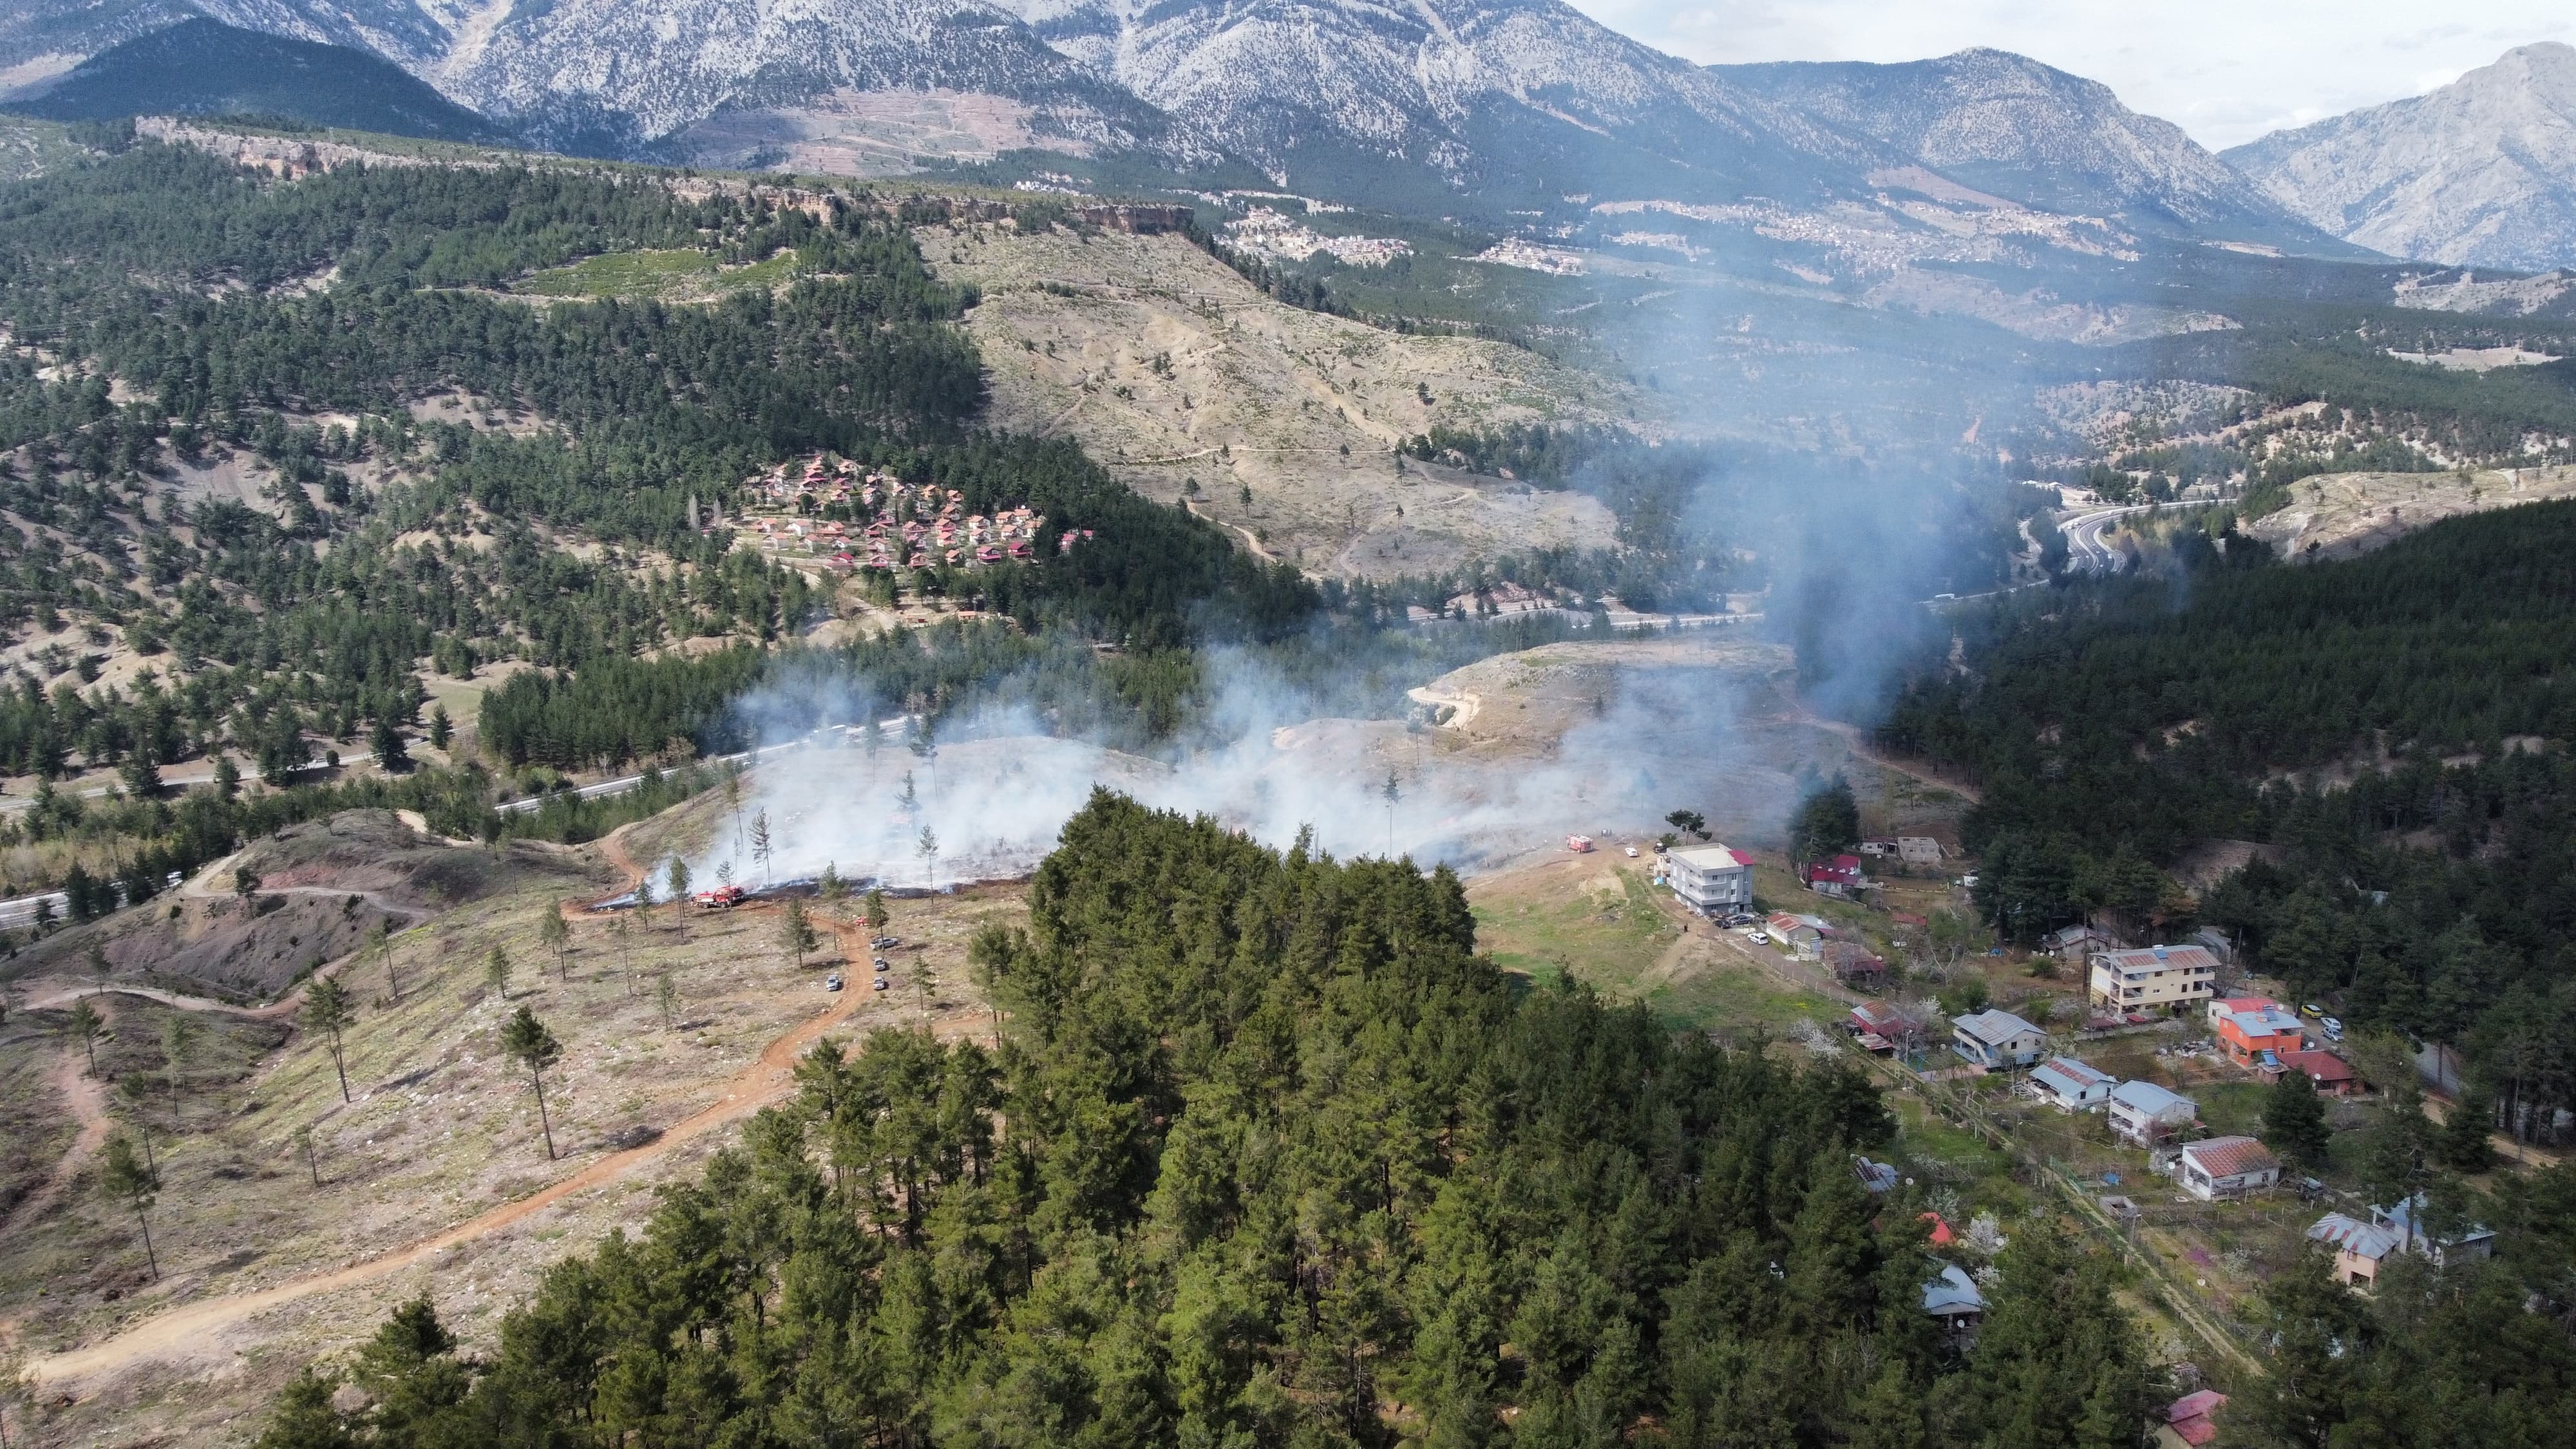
(1632,852)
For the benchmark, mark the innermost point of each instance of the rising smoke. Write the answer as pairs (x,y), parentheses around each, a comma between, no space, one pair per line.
(1634,744)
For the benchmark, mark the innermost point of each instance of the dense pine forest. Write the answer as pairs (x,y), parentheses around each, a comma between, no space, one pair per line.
(1268,1155)
(168,320)
(2394,730)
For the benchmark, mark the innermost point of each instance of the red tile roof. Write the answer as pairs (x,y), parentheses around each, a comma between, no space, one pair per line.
(2320,1066)
(2190,1417)
(2231,1156)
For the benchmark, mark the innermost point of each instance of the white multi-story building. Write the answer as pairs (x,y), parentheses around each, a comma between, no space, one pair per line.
(2154,978)
(1711,879)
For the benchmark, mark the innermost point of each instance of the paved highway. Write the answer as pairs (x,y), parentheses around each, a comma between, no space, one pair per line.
(2086,553)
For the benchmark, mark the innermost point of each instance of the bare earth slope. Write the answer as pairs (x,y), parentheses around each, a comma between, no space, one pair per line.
(1168,368)
(2338,515)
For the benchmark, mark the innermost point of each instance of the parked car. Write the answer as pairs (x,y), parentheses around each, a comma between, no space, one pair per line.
(882,983)
(1632,852)
(832,982)
(880,964)
(885,943)
(2333,1025)
(2312,1009)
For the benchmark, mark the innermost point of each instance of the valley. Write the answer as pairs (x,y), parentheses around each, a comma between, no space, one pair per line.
(1053,724)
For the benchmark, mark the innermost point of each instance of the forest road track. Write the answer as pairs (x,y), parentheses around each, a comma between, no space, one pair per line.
(85,1097)
(1858,739)
(190,1328)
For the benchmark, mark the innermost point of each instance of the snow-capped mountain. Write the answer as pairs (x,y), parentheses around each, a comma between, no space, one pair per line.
(1527,95)
(2481,172)
(2028,132)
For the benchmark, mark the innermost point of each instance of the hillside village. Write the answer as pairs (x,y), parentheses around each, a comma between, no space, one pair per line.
(2213,1131)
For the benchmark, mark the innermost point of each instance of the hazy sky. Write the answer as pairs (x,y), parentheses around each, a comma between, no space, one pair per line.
(2225,70)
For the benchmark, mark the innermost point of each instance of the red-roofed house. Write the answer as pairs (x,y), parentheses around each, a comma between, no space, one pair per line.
(1840,876)
(2190,1421)
(2226,1167)
(1854,965)
(1940,1236)
(2328,1073)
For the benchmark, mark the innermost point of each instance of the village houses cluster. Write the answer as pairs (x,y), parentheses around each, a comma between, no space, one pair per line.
(2126,988)
(894,524)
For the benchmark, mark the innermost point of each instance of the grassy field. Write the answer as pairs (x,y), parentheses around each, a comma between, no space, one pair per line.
(1604,924)
(663,275)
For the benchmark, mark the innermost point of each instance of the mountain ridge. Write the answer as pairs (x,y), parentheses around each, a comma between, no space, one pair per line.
(2024,130)
(2480,172)
(204,67)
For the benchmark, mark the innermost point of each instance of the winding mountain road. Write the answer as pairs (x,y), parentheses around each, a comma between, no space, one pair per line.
(2086,553)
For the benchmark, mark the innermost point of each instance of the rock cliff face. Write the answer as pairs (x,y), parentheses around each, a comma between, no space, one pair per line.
(2016,128)
(2479,173)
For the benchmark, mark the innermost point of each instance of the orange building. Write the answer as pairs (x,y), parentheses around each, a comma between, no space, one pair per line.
(2248,1032)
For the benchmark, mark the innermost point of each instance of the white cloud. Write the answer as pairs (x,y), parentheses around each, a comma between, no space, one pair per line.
(2227,71)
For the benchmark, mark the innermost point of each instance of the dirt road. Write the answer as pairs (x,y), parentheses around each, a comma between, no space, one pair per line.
(1858,739)
(769,1079)
(85,1097)
(186,1328)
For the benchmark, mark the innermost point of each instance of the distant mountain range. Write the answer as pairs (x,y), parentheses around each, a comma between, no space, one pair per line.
(1478,108)
(2012,127)
(199,67)
(2479,173)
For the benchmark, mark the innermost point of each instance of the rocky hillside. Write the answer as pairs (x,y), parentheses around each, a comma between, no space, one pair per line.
(2011,126)
(628,77)
(1528,96)
(2481,172)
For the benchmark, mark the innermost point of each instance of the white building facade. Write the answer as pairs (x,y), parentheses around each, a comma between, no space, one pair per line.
(1711,879)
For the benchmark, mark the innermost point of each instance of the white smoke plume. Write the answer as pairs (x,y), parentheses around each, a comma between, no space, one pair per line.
(998,788)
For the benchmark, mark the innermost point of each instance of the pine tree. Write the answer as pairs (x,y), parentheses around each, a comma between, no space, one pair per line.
(136,1184)
(1826,822)
(526,1041)
(327,1013)
(2463,1144)
(877,915)
(555,934)
(796,933)
(303,1139)
(2315,1339)
(1890,1415)
(178,1043)
(2294,1119)
(85,1026)
(386,743)
(496,972)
